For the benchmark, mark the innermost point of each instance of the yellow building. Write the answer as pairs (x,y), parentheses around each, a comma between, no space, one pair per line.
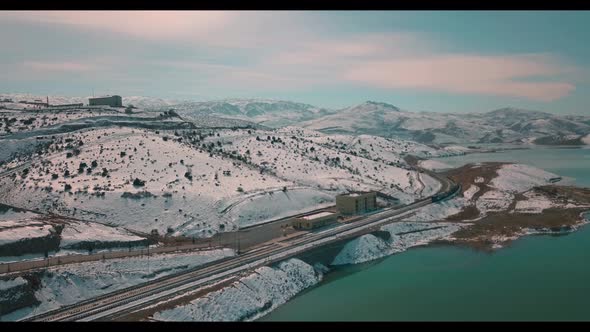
(356,202)
(314,220)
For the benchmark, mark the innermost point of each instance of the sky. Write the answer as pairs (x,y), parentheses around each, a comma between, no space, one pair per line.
(440,61)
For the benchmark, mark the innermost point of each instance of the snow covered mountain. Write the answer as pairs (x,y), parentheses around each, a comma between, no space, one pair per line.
(506,125)
(272,113)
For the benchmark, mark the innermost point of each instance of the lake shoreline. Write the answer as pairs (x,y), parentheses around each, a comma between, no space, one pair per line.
(299,308)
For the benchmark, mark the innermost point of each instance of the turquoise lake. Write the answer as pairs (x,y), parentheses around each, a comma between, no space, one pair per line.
(536,278)
(567,162)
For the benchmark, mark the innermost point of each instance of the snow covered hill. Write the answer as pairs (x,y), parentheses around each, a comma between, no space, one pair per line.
(201,180)
(272,113)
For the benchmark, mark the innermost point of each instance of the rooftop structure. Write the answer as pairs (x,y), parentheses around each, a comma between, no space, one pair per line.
(317,215)
(314,220)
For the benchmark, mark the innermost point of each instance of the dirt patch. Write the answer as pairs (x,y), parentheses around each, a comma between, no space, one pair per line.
(504,224)
(517,197)
(479,175)
(468,213)
(34,279)
(565,193)
(498,226)
(470,174)
(412,160)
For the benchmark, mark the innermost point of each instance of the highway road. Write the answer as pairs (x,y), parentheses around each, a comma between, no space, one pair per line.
(120,303)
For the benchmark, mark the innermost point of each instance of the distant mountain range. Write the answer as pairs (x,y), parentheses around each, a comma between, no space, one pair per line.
(271,113)
(506,125)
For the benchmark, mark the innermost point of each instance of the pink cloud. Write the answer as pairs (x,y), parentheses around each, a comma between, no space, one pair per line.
(472,74)
(341,52)
(100,67)
(249,30)
(238,76)
(59,66)
(159,25)
(322,53)
(282,51)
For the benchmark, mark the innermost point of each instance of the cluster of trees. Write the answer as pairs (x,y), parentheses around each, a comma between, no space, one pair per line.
(272,139)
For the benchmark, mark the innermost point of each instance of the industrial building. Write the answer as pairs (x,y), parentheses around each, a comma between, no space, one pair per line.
(113,101)
(314,220)
(36,103)
(68,105)
(356,202)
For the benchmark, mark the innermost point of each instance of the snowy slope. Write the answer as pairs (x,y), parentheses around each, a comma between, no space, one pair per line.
(249,298)
(202,181)
(80,232)
(61,286)
(123,155)
(23,227)
(404,235)
(519,177)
